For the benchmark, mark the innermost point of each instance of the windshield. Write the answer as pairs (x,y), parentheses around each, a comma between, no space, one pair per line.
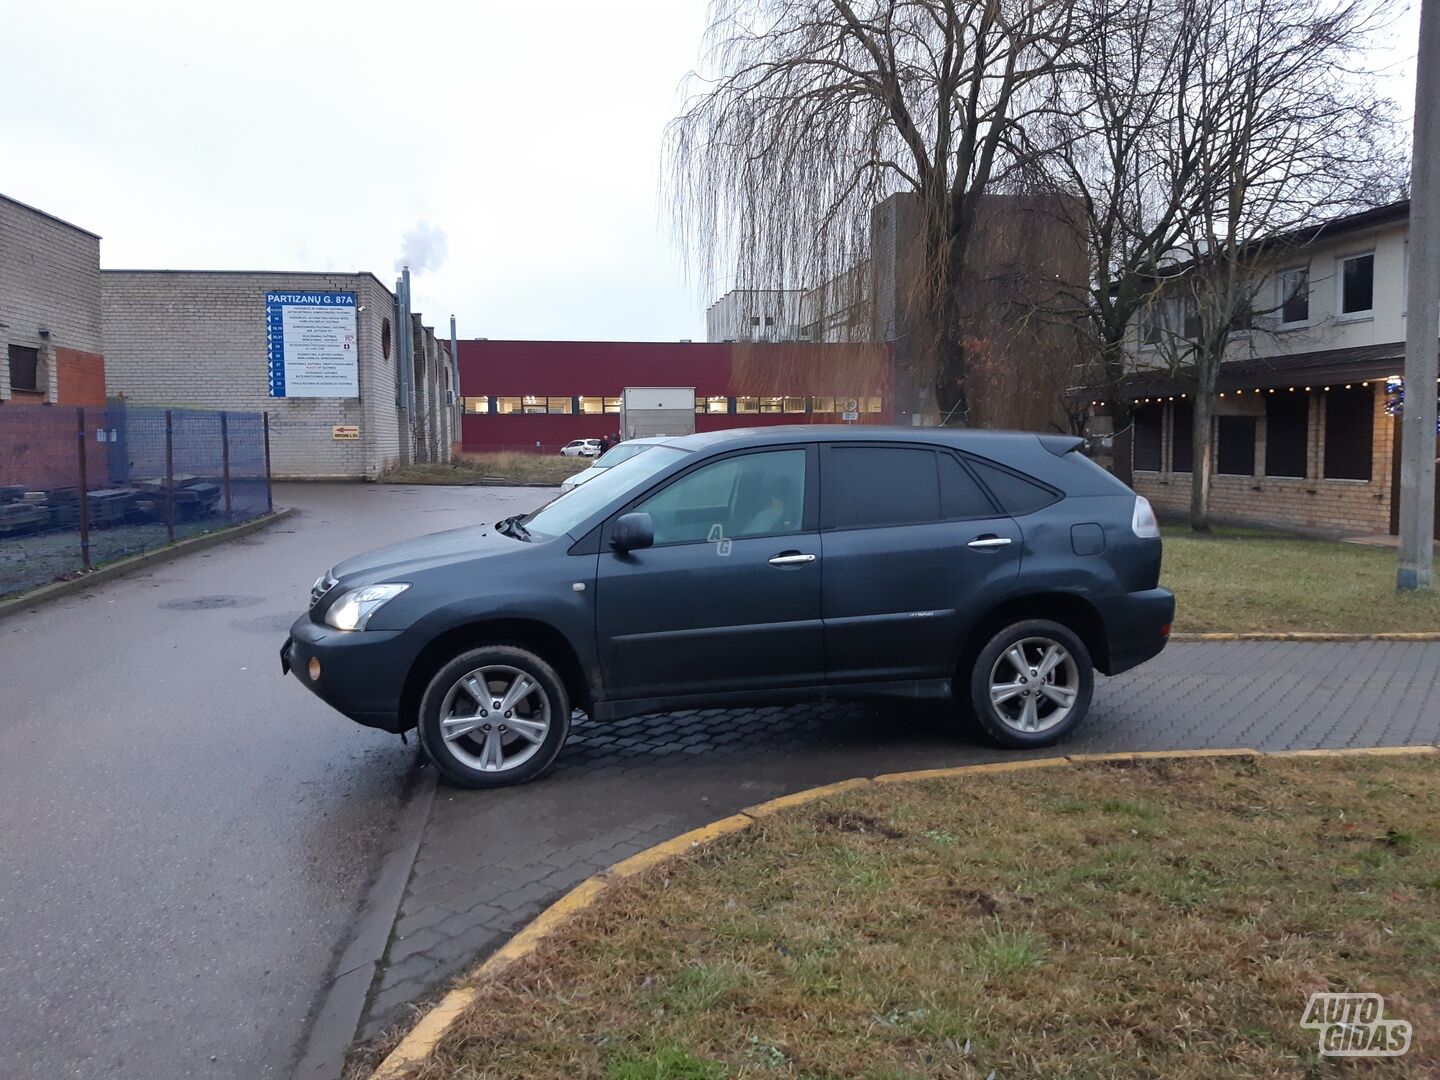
(564,513)
(623,452)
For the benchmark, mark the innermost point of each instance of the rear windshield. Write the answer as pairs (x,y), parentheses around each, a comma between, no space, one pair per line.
(568,511)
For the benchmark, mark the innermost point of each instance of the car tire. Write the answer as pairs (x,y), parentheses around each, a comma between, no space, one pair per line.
(1041,701)
(475,744)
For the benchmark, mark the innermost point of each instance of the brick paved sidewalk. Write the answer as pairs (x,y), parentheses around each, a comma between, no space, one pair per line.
(491,861)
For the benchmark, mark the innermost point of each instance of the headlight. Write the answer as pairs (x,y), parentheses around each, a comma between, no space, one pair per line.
(352,609)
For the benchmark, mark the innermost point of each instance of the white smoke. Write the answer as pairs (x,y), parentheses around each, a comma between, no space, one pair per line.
(422,249)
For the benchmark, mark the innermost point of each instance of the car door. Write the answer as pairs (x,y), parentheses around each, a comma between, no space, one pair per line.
(728,598)
(914,549)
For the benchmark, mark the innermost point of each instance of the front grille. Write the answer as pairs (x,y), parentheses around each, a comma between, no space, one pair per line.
(321,587)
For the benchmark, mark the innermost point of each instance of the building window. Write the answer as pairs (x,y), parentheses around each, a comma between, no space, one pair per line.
(24,368)
(1235,446)
(712,405)
(592,405)
(1294,296)
(1287,434)
(772,404)
(534,405)
(1146,424)
(1349,434)
(1182,438)
(754,320)
(560,405)
(794,404)
(612,404)
(747,405)
(505,405)
(1357,284)
(822,405)
(870,404)
(476,405)
(769,320)
(1170,318)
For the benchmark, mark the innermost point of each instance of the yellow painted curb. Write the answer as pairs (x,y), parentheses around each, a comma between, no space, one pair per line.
(638,864)
(1307,635)
(964,770)
(800,798)
(426,1035)
(416,1046)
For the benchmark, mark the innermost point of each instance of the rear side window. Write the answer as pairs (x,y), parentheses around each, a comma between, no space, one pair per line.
(960,495)
(1017,494)
(878,485)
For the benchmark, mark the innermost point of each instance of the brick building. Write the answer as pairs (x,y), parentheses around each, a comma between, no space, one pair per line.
(51,341)
(202,339)
(1306,432)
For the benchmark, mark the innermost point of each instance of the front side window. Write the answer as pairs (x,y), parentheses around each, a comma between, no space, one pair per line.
(1294,298)
(1357,284)
(867,486)
(751,495)
(572,509)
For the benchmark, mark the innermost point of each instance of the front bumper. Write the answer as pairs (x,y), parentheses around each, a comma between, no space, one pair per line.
(1137,627)
(361,673)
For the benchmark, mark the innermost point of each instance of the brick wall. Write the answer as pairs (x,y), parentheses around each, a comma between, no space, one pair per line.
(1342,507)
(197,339)
(50,279)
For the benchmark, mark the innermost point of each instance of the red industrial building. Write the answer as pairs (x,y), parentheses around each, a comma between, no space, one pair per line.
(540,395)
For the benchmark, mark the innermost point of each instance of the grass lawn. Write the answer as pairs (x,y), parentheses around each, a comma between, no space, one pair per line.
(1168,919)
(510,468)
(1238,580)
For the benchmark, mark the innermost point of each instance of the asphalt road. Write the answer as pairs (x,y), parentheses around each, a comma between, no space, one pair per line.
(185,835)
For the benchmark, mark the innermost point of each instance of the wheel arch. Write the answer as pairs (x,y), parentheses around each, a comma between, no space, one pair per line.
(531,634)
(1069,610)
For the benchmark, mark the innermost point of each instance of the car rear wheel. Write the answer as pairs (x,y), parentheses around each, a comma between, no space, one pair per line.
(1031,684)
(494,716)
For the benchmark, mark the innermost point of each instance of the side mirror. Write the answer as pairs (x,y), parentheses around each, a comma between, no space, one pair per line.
(632,532)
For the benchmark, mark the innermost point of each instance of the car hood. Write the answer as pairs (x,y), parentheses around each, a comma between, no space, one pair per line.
(424,552)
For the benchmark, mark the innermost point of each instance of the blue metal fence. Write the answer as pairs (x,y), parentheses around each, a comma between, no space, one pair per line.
(85,486)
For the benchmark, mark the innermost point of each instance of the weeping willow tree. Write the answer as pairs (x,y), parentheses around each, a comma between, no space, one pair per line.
(809,113)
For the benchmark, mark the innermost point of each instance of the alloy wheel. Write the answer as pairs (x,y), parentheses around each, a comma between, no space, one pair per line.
(495,718)
(1034,685)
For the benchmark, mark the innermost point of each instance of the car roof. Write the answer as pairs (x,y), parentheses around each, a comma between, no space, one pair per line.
(961,438)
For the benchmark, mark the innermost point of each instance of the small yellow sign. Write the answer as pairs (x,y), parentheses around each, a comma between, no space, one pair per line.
(345,431)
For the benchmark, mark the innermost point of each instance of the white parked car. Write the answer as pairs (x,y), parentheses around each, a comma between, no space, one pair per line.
(581,448)
(613,456)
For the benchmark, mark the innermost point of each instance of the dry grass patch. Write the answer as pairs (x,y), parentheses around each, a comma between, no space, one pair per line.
(1165,919)
(1245,580)
(503,468)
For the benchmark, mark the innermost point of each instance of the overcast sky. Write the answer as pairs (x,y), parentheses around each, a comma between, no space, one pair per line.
(207,134)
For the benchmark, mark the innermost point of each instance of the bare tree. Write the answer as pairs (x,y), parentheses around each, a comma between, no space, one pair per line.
(812,112)
(1284,134)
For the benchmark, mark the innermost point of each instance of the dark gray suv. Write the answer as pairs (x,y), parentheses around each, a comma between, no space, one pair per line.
(742,567)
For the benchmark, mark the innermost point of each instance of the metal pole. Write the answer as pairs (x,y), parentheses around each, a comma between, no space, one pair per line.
(169,475)
(1422,317)
(84,491)
(269,500)
(225,459)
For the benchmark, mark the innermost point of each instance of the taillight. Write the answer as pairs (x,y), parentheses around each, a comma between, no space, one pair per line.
(1142,521)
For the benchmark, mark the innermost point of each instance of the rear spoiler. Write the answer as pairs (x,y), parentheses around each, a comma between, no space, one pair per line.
(1060,445)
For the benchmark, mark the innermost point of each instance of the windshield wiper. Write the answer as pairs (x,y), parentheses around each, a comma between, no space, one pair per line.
(511,526)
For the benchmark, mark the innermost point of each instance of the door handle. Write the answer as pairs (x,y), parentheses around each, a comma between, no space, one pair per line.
(791,558)
(984,542)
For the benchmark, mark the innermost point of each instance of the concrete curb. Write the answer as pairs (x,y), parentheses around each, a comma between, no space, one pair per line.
(420,1043)
(45,593)
(1309,635)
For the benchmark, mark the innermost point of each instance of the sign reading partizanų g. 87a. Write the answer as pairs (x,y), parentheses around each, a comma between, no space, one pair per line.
(311,344)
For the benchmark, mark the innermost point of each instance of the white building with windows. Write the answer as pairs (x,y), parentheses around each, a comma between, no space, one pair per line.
(1306,432)
(756,315)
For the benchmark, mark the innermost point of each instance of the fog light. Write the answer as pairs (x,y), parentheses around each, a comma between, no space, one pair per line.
(314,669)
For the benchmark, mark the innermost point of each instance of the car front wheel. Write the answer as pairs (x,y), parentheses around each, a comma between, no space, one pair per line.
(1031,684)
(494,716)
